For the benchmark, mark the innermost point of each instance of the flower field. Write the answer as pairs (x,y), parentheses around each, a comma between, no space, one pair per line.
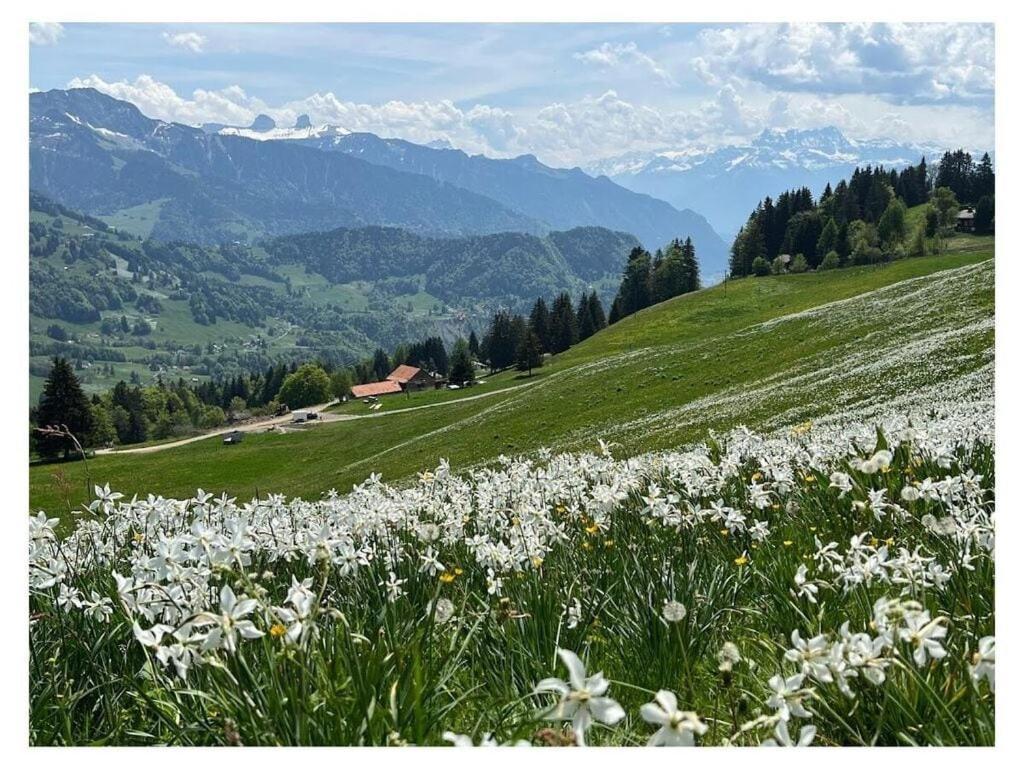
(826,584)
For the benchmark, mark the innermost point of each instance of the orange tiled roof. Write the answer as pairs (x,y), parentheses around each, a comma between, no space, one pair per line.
(403,373)
(376,388)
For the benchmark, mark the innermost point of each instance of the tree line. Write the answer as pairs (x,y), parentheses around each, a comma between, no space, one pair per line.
(864,220)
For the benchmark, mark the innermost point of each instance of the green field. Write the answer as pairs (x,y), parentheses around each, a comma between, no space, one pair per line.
(753,351)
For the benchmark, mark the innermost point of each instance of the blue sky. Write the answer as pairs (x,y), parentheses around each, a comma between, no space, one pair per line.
(569,93)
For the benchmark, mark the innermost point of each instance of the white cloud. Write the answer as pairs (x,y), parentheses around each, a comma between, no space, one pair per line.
(575,132)
(618,55)
(230,105)
(45,32)
(191,41)
(905,63)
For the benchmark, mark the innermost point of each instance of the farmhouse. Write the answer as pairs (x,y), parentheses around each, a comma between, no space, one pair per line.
(965,220)
(410,377)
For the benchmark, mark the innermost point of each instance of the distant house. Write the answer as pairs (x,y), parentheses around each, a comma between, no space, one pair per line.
(412,378)
(965,220)
(377,388)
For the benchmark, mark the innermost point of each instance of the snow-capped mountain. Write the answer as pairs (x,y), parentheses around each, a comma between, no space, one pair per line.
(264,128)
(727,182)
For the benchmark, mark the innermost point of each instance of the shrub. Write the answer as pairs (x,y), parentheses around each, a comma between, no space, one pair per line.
(831,261)
(760,267)
(799,264)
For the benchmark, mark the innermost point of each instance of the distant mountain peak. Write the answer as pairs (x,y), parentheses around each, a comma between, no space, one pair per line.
(263,123)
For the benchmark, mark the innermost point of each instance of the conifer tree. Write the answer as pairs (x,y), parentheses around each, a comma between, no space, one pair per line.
(528,354)
(63,404)
(540,323)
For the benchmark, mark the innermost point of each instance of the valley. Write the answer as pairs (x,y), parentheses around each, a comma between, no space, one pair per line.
(757,352)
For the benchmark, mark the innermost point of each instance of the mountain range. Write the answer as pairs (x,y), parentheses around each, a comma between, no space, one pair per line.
(217,183)
(729,181)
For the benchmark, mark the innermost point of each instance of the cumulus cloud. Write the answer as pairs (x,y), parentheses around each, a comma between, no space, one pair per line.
(905,63)
(623,55)
(571,132)
(45,32)
(191,41)
(156,99)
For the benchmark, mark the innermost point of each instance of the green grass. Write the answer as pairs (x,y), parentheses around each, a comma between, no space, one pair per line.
(660,378)
(138,220)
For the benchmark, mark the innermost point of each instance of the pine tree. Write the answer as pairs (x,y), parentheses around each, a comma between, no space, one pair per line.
(381,364)
(564,332)
(596,312)
(63,404)
(828,239)
(540,324)
(461,363)
(635,288)
(474,345)
(500,342)
(691,267)
(669,277)
(528,354)
(584,320)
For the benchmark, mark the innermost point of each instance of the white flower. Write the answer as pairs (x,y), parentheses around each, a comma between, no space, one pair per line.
(494,583)
(925,634)
(984,662)
(230,623)
(673,611)
(805,588)
(677,727)
(582,700)
(488,740)
(573,613)
(812,655)
(429,562)
(787,696)
(783,739)
(393,587)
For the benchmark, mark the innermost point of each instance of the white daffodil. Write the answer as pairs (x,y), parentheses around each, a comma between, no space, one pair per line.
(812,656)
(677,727)
(573,613)
(393,587)
(983,664)
(582,699)
(229,623)
(925,634)
(787,696)
(781,737)
(805,588)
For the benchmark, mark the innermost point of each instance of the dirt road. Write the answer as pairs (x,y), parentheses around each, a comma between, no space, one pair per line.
(325,418)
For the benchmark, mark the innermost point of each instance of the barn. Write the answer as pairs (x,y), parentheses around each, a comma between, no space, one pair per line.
(411,378)
(376,389)
(965,220)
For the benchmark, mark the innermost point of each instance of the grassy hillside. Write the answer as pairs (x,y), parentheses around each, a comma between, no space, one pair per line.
(765,352)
